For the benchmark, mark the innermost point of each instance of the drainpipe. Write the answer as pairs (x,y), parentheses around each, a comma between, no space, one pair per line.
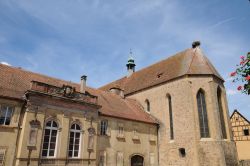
(158,152)
(67,159)
(41,142)
(19,130)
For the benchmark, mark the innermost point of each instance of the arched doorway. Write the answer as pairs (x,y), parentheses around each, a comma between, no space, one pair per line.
(137,160)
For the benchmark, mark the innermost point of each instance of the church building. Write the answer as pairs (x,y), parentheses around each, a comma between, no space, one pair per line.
(171,113)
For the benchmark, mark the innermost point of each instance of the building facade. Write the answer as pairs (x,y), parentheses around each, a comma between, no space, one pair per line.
(173,112)
(240,128)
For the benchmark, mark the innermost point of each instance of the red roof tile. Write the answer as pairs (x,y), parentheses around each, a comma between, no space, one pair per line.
(15,82)
(188,62)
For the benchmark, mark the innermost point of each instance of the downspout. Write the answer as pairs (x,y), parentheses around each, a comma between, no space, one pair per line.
(67,159)
(19,130)
(41,145)
(158,151)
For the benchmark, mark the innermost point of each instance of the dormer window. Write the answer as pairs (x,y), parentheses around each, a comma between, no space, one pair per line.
(159,75)
(147,105)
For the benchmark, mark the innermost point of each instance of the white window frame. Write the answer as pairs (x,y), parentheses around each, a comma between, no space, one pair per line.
(120,130)
(9,108)
(57,132)
(104,127)
(80,140)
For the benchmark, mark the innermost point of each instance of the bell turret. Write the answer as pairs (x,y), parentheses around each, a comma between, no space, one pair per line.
(130,65)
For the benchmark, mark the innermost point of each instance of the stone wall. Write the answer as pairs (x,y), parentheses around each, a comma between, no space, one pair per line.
(143,142)
(8,138)
(205,151)
(64,118)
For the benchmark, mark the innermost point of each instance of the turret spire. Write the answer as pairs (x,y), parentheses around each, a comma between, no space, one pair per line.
(131,64)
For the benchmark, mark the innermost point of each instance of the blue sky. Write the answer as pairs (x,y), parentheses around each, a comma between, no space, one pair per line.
(69,38)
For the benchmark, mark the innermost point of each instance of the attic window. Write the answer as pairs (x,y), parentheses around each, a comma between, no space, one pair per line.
(159,75)
(246,132)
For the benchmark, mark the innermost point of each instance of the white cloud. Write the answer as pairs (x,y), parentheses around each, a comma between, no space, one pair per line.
(5,63)
(229,79)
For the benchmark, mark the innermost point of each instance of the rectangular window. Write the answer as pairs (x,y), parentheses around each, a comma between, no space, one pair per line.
(152,136)
(2,156)
(5,115)
(246,132)
(135,133)
(120,130)
(104,127)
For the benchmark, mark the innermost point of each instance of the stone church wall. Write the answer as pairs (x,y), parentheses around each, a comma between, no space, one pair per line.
(205,151)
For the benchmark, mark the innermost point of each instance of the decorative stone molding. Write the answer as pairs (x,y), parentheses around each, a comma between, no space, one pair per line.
(64,91)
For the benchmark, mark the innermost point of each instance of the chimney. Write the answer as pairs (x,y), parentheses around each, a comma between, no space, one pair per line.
(196,44)
(83,84)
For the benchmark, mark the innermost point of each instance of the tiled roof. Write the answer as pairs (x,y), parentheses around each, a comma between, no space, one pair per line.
(15,82)
(189,62)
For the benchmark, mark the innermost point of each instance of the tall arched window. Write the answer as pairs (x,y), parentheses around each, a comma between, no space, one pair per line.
(147,105)
(74,141)
(170,117)
(222,121)
(202,112)
(49,139)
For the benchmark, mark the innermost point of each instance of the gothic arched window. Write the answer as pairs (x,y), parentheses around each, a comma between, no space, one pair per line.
(74,141)
(49,139)
(147,105)
(222,121)
(202,112)
(170,117)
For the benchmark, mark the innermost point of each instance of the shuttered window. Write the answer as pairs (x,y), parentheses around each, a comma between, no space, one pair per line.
(2,156)
(119,159)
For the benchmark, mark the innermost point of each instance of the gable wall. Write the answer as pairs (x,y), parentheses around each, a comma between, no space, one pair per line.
(205,151)
(242,141)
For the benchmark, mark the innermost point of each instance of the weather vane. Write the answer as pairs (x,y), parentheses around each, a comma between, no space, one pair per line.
(130,53)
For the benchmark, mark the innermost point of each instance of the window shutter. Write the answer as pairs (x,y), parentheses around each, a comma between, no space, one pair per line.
(108,131)
(102,158)
(151,135)
(2,156)
(152,159)
(119,159)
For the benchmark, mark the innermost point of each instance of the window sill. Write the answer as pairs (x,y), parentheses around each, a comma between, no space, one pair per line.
(171,141)
(207,139)
(120,136)
(104,136)
(136,138)
(152,140)
(8,126)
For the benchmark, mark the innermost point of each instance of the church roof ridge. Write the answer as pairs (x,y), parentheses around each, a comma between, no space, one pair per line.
(191,61)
